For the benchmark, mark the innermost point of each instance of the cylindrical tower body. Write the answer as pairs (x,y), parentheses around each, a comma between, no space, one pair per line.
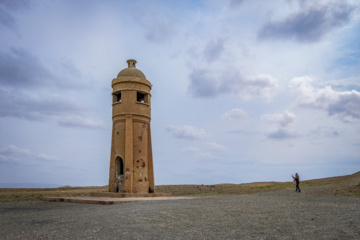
(131,163)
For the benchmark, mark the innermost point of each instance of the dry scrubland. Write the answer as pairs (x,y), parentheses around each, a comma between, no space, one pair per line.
(344,186)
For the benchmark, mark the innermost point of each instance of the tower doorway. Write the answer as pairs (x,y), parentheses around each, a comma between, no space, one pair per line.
(119,177)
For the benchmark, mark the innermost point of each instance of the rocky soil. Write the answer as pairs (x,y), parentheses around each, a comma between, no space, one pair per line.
(277,214)
(325,209)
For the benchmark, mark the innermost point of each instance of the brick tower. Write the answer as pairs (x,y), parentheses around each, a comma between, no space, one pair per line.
(131,162)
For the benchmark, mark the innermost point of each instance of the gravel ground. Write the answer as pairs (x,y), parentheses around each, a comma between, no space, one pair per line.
(280,214)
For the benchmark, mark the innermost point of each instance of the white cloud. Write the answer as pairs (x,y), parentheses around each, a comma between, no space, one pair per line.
(208,150)
(80,122)
(282,133)
(262,85)
(11,154)
(205,83)
(159,28)
(235,114)
(21,69)
(283,120)
(344,105)
(213,146)
(192,150)
(38,105)
(205,156)
(38,90)
(46,157)
(324,131)
(213,50)
(187,132)
(309,24)
(14,150)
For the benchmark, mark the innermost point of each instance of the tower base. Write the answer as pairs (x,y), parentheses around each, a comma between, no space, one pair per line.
(130,195)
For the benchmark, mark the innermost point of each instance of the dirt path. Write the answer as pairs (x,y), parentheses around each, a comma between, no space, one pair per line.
(280,214)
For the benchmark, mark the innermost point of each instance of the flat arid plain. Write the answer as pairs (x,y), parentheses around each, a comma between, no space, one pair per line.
(326,208)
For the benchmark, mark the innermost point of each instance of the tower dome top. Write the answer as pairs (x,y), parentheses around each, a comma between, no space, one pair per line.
(131,70)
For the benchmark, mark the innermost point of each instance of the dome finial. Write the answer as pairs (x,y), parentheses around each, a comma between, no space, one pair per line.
(131,70)
(131,63)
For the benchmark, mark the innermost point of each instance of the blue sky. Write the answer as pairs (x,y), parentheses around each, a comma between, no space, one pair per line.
(243,91)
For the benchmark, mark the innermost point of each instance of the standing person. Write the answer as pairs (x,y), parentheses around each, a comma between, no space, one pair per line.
(297,180)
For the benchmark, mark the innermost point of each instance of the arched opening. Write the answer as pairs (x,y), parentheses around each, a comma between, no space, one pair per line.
(119,166)
(119,178)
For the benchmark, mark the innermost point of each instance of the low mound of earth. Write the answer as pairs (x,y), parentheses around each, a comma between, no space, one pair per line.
(348,185)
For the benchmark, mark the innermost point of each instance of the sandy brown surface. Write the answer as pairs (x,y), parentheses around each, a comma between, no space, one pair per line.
(325,209)
(278,214)
(111,200)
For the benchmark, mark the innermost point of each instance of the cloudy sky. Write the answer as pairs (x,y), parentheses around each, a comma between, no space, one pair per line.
(243,91)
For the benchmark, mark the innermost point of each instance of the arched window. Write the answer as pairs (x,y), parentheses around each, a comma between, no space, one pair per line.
(119,166)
